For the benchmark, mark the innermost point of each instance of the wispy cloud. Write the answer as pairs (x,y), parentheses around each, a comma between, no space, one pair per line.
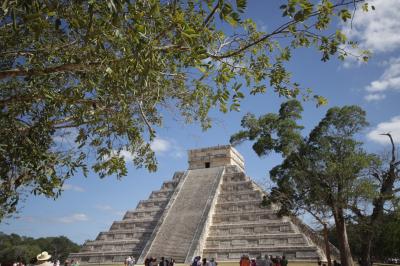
(389,80)
(73,188)
(392,127)
(168,147)
(160,145)
(73,218)
(374,97)
(377,29)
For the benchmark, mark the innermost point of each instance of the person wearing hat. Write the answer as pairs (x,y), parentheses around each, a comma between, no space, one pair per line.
(43,259)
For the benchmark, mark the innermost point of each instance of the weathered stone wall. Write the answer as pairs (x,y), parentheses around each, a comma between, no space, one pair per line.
(215,157)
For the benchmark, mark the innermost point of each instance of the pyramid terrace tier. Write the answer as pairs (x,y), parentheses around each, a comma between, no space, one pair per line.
(143,213)
(245,216)
(245,205)
(291,252)
(233,196)
(237,186)
(262,240)
(236,176)
(125,234)
(115,245)
(252,228)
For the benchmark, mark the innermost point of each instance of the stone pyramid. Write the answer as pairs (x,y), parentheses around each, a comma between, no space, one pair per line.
(212,210)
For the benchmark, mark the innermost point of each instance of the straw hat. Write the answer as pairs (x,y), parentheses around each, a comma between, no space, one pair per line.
(43,256)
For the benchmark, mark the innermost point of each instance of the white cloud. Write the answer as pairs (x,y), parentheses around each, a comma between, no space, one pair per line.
(392,127)
(127,155)
(374,97)
(73,188)
(76,217)
(160,145)
(376,30)
(66,136)
(389,80)
(168,147)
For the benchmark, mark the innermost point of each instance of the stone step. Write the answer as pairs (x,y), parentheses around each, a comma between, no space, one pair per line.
(180,225)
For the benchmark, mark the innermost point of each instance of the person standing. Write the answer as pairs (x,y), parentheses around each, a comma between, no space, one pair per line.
(43,259)
(204,262)
(284,261)
(244,261)
(213,262)
(162,262)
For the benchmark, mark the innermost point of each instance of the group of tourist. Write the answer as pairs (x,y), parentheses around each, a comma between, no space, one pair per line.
(152,261)
(197,261)
(266,261)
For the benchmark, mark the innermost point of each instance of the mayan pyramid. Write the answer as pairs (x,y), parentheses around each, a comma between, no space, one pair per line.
(212,210)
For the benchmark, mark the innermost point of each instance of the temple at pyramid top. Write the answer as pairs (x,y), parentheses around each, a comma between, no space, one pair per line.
(212,210)
(223,155)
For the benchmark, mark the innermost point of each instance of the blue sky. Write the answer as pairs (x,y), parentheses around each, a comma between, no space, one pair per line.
(89,205)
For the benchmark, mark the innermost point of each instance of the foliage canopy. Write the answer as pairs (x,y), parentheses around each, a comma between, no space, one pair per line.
(104,72)
(320,173)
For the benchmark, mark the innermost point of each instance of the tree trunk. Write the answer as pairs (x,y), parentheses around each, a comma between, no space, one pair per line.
(345,253)
(327,248)
(366,249)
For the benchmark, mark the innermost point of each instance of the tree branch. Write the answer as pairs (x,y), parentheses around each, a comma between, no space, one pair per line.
(208,18)
(393,161)
(151,130)
(11,73)
(278,30)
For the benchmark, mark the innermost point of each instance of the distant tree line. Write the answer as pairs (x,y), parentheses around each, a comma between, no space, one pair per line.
(385,245)
(24,249)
